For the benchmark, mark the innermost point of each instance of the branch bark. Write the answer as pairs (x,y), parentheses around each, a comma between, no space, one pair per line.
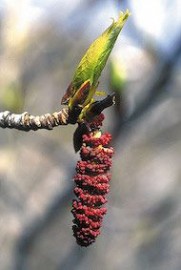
(27,122)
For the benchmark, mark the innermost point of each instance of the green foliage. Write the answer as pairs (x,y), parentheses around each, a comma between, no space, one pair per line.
(11,98)
(117,76)
(85,80)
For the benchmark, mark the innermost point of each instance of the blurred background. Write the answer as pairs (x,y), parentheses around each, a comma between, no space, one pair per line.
(42,41)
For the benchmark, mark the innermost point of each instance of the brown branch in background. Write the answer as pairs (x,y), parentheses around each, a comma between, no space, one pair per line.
(155,91)
(27,122)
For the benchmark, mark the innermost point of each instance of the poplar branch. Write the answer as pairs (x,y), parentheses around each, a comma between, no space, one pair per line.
(27,122)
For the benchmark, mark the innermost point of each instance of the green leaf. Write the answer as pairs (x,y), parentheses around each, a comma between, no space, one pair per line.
(117,76)
(94,60)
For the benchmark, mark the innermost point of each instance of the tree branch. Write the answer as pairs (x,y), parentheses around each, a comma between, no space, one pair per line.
(27,122)
(155,90)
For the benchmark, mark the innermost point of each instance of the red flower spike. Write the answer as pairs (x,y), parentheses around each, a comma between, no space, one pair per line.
(92,183)
(97,121)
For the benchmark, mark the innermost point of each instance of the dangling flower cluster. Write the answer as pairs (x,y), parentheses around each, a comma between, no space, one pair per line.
(92,184)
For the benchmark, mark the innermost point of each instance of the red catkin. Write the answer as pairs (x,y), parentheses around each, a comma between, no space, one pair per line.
(92,184)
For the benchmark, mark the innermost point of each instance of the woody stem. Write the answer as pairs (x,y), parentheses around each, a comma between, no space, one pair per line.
(27,122)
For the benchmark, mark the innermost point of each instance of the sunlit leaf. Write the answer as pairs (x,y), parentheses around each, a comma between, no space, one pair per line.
(94,61)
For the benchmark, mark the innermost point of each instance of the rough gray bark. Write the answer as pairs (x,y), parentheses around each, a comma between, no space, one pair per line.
(27,122)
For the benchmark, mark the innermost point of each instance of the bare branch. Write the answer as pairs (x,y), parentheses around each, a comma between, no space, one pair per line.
(27,122)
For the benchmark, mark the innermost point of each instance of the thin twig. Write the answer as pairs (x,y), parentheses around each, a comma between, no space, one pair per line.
(27,122)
